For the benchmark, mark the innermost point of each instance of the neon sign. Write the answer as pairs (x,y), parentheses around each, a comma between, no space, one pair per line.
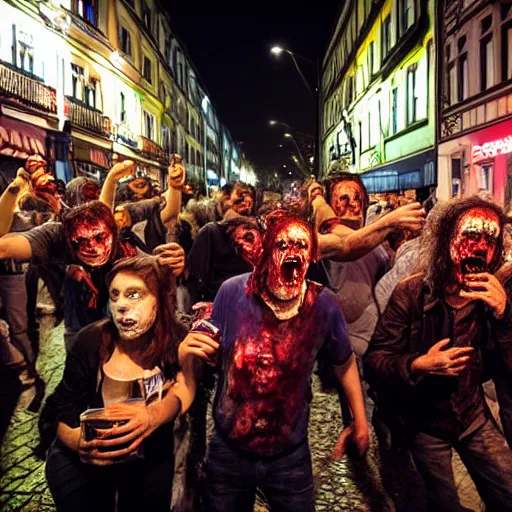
(491,149)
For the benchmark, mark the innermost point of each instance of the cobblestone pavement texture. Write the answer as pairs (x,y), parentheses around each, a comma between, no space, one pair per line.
(379,483)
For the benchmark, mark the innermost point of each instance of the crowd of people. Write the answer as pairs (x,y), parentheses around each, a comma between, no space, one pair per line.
(173,304)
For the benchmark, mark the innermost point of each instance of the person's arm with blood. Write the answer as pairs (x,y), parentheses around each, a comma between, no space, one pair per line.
(340,243)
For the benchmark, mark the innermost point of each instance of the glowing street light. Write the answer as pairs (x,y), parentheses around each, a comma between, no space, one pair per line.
(272,122)
(276,50)
(290,172)
(288,135)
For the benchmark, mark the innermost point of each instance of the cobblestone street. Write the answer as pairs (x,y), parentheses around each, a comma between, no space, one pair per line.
(341,486)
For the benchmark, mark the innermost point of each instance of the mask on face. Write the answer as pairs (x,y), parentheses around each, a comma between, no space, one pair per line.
(132,305)
(347,202)
(474,242)
(289,262)
(139,188)
(92,242)
(248,243)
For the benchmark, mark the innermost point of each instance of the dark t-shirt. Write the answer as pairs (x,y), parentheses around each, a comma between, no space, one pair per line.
(147,211)
(262,400)
(78,390)
(47,243)
(213,259)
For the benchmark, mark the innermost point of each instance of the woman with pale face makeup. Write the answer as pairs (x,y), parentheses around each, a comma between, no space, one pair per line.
(125,368)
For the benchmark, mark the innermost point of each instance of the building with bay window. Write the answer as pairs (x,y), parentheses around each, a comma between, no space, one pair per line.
(475,135)
(88,82)
(378,95)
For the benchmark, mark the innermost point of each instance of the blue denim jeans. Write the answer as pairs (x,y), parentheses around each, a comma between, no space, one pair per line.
(79,487)
(233,477)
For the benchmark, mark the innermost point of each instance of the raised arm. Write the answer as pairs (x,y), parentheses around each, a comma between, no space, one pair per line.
(108,190)
(176,179)
(340,243)
(9,199)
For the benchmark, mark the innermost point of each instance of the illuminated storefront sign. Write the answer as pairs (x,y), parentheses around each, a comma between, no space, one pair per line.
(491,149)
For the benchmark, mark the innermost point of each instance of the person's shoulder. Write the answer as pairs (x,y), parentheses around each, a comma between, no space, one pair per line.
(89,339)
(234,284)
(411,285)
(326,298)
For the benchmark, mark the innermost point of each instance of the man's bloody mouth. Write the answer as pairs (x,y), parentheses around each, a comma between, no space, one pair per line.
(290,269)
(473,265)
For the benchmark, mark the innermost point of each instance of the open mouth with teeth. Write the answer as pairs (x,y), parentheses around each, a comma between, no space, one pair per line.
(126,323)
(473,265)
(290,270)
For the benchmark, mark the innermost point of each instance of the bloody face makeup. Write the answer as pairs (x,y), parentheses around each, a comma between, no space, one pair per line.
(347,202)
(90,191)
(247,241)
(132,305)
(474,242)
(289,262)
(241,201)
(92,242)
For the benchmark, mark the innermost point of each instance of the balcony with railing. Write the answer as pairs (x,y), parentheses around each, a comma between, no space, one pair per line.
(88,118)
(27,89)
(150,149)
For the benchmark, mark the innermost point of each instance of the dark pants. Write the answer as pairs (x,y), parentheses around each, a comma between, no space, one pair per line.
(13,298)
(503,386)
(78,487)
(234,476)
(485,454)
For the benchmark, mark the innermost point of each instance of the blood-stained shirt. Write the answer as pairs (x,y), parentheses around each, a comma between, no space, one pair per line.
(265,364)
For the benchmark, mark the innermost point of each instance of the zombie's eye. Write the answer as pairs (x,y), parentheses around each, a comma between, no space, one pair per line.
(249,237)
(99,237)
(281,245)
(114,295)
(302,244)
(134,295)
(344,197)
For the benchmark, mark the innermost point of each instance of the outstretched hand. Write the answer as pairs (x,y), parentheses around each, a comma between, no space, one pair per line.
(80,275)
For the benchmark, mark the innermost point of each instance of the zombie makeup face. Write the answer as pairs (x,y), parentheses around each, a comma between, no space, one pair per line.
(248,243)
(90,192)
(139,187)
(92,242)
(132,305)
(241,201)
(347,203)
(474,242)
(291,255)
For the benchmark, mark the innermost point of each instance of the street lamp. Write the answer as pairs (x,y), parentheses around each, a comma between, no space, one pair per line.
(315,91)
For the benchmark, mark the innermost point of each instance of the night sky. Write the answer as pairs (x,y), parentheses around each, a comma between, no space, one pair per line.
(247,85)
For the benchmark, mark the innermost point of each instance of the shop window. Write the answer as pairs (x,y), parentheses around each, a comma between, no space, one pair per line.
(149,125)
(412,95)
(487,70)
(126,42)
(87,9)
(146,69)
(122,115)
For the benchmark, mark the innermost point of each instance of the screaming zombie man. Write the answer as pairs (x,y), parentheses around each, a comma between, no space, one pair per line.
(427,356)
(273,324)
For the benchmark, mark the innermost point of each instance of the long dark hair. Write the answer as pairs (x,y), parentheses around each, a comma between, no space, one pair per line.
(162,348)
(435,260)
(93,211)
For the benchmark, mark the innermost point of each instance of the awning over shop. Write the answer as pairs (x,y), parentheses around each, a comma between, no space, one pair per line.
(86,152)
(20,140)
(409,173)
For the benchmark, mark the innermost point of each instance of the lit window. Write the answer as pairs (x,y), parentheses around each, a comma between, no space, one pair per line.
(123,109)
(394,110)
(412,95)
(86,9)
(506,41)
